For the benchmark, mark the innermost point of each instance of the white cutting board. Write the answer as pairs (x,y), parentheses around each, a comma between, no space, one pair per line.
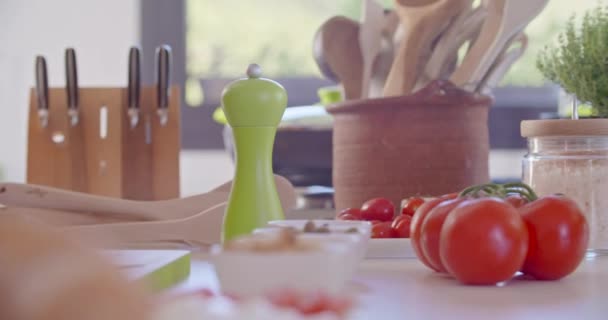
(157,269)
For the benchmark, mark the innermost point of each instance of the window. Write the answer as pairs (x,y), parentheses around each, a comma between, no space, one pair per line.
(222,37)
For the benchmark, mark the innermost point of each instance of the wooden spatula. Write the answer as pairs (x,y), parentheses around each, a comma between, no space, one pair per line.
(32,196)
(513,52)
(423,21)
(370,40)
(506,18)
(384,60)
(200,230)
(341,51)
(462,29)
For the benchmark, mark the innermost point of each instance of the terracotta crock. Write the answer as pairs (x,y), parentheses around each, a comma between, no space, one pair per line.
(433,142)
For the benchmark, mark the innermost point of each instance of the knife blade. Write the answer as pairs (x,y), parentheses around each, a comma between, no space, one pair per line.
(163,79)
(42,91)
(134,85)
(71,76)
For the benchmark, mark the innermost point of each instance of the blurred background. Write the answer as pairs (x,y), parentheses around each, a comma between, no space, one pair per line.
(213,42)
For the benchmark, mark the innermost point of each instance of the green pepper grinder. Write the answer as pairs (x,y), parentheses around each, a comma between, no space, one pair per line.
(253,107)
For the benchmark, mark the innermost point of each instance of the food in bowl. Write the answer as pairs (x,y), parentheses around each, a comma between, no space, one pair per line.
(282,259)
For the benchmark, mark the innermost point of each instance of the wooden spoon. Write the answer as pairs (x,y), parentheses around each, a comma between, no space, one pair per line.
(23,195)
(317,53)
(340,49)
(506,18)
(200,230)
(462,29)
(504,63)
(423,21)
(370,40)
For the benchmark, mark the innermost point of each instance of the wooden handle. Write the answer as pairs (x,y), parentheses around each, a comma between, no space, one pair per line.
(463,29)
(504,62)
(200,230)
(370,40)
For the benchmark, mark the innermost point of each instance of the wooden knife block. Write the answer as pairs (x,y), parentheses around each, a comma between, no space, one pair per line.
(139,164)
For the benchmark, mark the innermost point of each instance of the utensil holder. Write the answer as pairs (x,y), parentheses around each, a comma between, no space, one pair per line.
(102,154)
(433,142)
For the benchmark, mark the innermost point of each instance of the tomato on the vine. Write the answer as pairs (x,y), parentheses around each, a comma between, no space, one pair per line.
(559,235)
(431,231)
(516,200)
(416,225)
(401,225)
(410,205)
(378,209)
(483,241)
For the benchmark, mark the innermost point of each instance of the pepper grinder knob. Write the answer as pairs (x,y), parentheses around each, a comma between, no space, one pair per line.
(253,107)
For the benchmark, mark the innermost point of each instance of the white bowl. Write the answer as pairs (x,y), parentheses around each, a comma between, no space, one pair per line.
(246,273)
(363,227)
(358,242)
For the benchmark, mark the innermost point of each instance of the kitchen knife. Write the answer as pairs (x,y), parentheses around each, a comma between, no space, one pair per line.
(163,80)
(71,77)
(42,91)
(134,85)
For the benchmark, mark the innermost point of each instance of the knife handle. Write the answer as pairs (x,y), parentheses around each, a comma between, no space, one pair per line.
(42,84)
(71,76)
(163,75)
(134,84)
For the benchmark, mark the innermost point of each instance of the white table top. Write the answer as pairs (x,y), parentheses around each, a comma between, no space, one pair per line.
(404,289)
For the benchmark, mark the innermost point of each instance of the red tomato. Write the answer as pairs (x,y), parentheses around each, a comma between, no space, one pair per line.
(559,235)
(401,225)
(431,230)
(378,209)
(348,216)
(483,241)
(383,230)
(353,212)
(416,225)
(410,205)
(516,200)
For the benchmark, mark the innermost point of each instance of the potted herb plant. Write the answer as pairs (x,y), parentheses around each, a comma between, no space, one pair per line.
(579,61)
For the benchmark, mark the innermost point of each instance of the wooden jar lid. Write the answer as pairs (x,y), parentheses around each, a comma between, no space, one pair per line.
(564,127)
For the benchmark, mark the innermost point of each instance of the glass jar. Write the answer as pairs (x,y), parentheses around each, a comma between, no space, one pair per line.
(571,157)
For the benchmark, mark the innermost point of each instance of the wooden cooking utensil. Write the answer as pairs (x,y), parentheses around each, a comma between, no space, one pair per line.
(341,51)
(384,60)
(423,21)
(504,62)
(370,40)
(317,53)
(200,230)
(506,18)
(462,29)
(60,217)
(33,196)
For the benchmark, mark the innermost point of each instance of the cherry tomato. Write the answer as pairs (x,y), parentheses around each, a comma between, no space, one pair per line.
(401,225)
(483,241)
(410,205)
(416,225)
(383,230)
(559,236)
(378,209)
(516,200)
(431,230)
(350,214)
